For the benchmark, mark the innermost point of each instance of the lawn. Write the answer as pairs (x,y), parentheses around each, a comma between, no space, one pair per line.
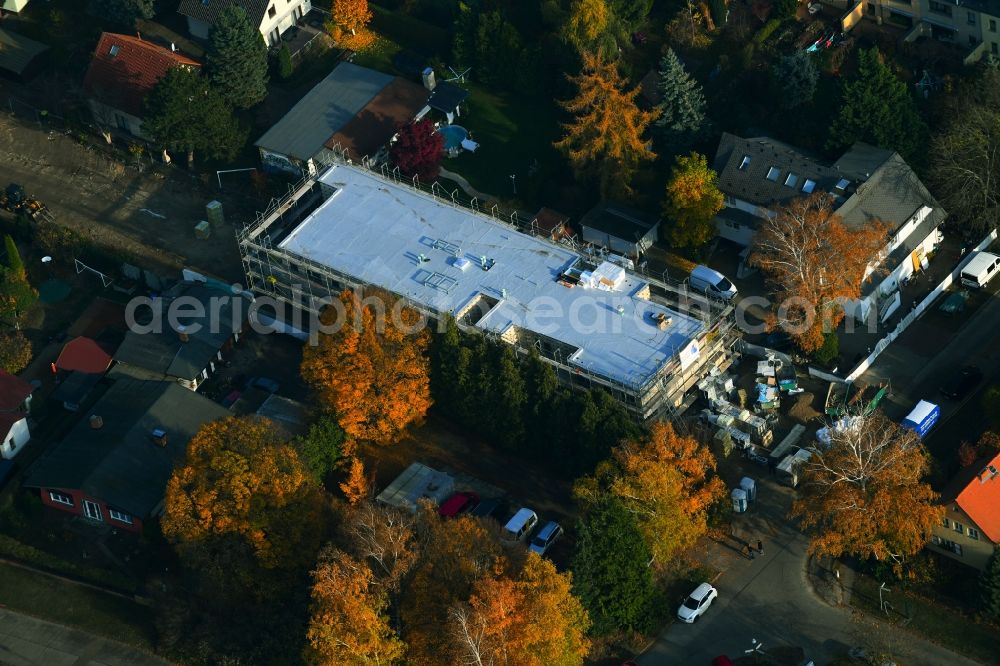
(936,622)
(515,135)
(76,606)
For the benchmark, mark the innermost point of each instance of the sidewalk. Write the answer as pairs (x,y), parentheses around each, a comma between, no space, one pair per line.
(28,641)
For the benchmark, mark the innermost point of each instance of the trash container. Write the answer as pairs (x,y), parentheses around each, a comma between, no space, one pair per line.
(739,500)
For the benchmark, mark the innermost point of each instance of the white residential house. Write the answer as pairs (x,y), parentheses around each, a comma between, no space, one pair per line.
(272,17)
(759,174)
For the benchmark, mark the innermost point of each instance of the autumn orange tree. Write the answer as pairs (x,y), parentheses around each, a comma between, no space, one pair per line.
(355,486)
(815,263)
(349,24)
(666,480)
(606,139)
(242,501)
(693,199)
(348,623)
(529,618)
(864,495)
(453,556)
(372,371)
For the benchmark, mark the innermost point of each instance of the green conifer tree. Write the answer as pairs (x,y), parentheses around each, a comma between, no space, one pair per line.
(237,59)
(683,105)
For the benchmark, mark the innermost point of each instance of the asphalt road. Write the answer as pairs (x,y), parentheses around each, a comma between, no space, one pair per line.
(770,599)
(28,641)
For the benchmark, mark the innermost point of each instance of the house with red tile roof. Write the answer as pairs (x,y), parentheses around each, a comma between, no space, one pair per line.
(15,399)
(82,354)
(970,528)
(125,69)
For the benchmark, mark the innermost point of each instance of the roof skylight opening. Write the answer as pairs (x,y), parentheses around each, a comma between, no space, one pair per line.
(773,173)
(842,184)
(745,163)
(808,186)
(114,50)
(792,179)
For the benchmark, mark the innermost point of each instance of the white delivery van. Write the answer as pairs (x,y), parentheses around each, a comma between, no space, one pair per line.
(980,270)
(712,283)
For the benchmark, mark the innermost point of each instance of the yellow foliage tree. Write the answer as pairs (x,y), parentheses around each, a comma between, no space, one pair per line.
(349,24)
(666,480)
(355,486)
(373,370)
(606,139)
(347,623)
(15,352)
(864,495)
(242,499)
(531,619)
(693,199)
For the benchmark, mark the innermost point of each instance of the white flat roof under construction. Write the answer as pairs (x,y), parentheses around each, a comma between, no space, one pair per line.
(434,253)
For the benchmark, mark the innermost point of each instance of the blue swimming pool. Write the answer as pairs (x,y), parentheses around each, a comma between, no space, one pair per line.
(453,136)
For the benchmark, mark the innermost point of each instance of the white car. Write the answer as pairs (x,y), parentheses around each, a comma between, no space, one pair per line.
(697,603)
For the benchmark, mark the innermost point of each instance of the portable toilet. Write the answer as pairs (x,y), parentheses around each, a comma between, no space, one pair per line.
(749,486)
(739,500)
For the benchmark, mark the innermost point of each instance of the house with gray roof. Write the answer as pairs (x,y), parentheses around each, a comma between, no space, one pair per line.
(867,183)
(272,17)
(620,229)
(353,111)
(113,466)
(183,334)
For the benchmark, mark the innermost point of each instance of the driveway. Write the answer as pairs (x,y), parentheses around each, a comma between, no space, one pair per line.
(771,600)
(28,641)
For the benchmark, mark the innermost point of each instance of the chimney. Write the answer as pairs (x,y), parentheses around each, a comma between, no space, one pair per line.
(96,422)
(173,47)
(138,34)
(182,334)
(159,437)
(428,77)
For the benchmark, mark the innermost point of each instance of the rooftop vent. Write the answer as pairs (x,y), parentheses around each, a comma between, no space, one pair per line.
(96,422)
(182,334)
(773,173)
(159,437)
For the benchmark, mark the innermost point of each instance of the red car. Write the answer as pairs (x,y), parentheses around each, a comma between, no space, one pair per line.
(722,660)
(458,503)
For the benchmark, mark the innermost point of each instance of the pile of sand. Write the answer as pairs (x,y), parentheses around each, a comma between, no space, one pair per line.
(803,411)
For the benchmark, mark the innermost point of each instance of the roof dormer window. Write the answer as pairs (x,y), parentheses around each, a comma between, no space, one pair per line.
(809,186)
(773,173)
(792,180)
(745,163)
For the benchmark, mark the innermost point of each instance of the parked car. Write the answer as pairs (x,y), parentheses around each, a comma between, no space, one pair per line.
(231,399)
(494,508)
(265,384)
(520,525)
(546,537)
(962,383)
(712,283)
(697,603)
(457,504)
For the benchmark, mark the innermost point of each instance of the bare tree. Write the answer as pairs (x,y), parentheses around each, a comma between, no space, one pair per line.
(965,164)
(863,494)
(469,632)
(384,537)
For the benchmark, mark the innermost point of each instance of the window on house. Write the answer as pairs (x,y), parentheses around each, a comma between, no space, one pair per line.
(271,11)
(745,163)
(958,527)
(773,173)
(60,498)
(993,25)
(974,534)
(792,179)
(946,523)
(808,186)
(120,516)
(971,17)
(972,40)
(955,548)
(940,8)
(994,49)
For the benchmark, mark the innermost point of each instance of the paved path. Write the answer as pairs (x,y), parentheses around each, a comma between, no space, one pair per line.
(28,641)
(464,184)
(770,599)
